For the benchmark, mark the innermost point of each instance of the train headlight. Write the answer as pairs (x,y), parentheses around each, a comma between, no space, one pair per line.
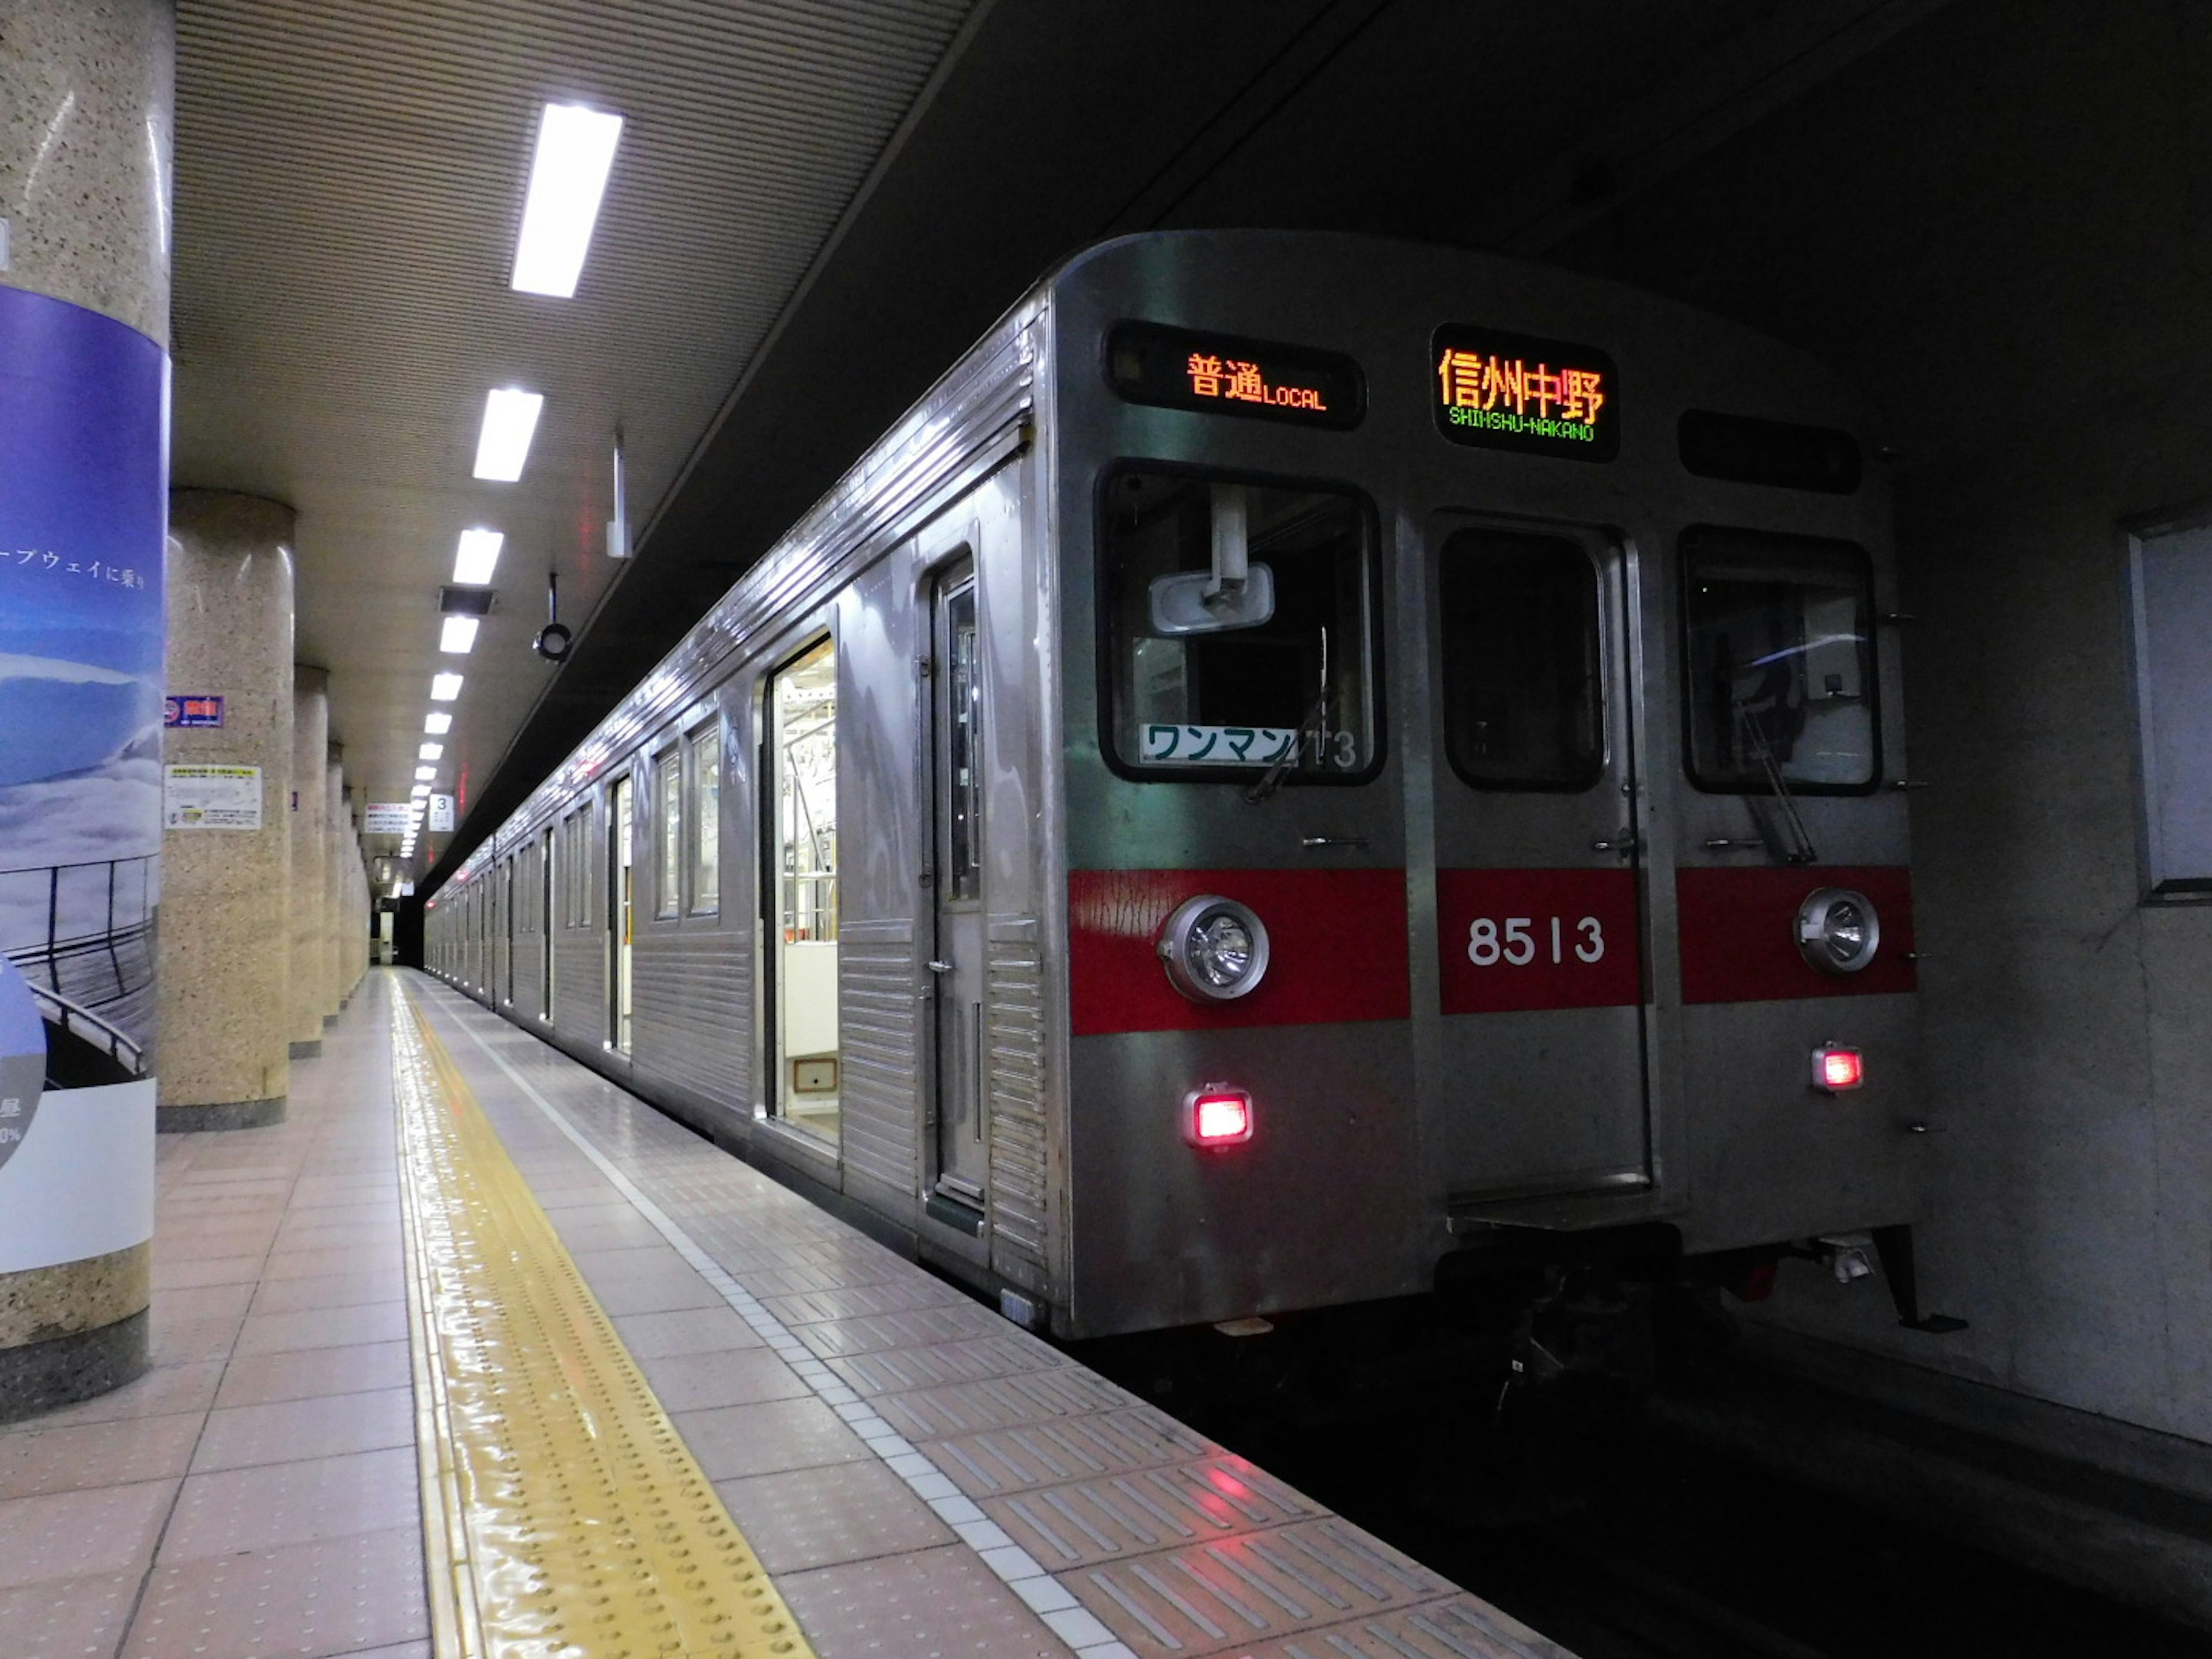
(1838,930)
(1215,949)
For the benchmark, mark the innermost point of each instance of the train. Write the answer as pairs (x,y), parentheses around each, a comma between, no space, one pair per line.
(1304,764)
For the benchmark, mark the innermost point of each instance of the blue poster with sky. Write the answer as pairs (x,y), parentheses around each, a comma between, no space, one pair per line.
(84,523)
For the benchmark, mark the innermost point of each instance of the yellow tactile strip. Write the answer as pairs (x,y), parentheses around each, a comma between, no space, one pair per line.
(562,1515)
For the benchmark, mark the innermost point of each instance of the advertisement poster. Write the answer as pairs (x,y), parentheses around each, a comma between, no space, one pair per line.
(83,527)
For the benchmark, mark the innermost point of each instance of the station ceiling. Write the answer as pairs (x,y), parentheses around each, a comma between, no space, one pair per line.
(815,206)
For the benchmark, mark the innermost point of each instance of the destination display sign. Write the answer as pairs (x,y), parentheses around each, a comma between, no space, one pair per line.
(1499,391)
(1223,375)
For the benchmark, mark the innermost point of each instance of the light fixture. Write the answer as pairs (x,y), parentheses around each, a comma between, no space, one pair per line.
(437,725)
(1837,1067)
(567,177)
(479,553)
(444,688)
(1214,1116)
(425,773)
(418,792)
(1215,949)
(1838,930)
(510,420)
(458,637)
(431,752)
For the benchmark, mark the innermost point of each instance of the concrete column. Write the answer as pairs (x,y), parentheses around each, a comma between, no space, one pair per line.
(225,941)
(86,114)
(334,840)
(311,729)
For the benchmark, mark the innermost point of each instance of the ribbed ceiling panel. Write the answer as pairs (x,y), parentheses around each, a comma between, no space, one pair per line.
(349,179)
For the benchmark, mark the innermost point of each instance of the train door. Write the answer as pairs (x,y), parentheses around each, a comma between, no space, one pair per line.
(798,892)
(957,963)
(509,931)
(619,868)
(545,892)
(1538,903)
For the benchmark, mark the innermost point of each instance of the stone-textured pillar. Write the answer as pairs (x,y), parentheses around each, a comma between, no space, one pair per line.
(334,841)
(86,115)
(310,736)
(226,939)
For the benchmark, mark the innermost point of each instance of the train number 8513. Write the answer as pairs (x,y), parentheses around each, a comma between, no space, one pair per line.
(1515,945)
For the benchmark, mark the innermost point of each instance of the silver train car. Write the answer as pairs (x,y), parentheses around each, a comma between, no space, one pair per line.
(1300,762)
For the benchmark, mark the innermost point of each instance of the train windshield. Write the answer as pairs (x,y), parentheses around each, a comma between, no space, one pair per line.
(1239,618)
(1780,663)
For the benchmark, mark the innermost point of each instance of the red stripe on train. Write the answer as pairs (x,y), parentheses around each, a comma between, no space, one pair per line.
(1737,929)
(1336,940)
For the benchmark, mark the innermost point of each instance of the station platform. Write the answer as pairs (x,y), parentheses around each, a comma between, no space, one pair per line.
(478,1354)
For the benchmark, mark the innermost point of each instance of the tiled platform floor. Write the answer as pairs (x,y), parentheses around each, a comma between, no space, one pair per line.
(920,1477)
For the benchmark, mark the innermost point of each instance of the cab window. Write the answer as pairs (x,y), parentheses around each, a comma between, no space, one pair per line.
(1522,691)
(1779,676)
(1238,620)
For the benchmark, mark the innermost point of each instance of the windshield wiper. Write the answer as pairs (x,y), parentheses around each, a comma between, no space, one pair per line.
(1804,853)
(1317,720)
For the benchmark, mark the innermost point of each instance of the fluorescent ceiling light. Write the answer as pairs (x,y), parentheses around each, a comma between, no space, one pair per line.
(459,635)
(431,752)
(437,725)
(444,688)
(568,176)
(424,774)
(478,552)
(510,420)
(419,791)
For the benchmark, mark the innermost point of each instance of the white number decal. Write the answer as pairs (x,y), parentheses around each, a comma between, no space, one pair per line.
(1347,751)
(1482,942)
(1516,943)
(1593,944)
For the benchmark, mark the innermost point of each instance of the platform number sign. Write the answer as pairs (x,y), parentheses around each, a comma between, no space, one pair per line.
(1518,939)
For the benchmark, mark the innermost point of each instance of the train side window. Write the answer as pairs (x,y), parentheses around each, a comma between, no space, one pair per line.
(1274,669)
(668,806)
(799,894)
(1779,681)
(706,820)
(1523,686)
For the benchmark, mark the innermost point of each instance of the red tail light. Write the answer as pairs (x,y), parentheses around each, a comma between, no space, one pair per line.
(1836,1068)
(1217,1117)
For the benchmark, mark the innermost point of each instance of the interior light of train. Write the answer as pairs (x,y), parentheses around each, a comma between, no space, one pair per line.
(457,635)
(1217,1117)
(1500,391)
(444,688)
(476,556)
(1215,949)
(1221,374)
(510,422)
(437,725)
(1836,1068)
(1838,930)
(567,177)
(431,752)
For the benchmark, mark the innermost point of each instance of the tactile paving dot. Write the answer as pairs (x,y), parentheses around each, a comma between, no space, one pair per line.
(571,1519)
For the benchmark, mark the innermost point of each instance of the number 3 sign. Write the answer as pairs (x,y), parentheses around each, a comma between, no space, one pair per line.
(1518,940)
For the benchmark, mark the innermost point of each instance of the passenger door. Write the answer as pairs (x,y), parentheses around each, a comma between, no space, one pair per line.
(956,966)
(1538,901)
(620,861)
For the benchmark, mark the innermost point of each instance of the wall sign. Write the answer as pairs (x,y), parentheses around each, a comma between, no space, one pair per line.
(1223,375)
(211,798)
(192,711)
(441,813)
(1499,391)
(385,817)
